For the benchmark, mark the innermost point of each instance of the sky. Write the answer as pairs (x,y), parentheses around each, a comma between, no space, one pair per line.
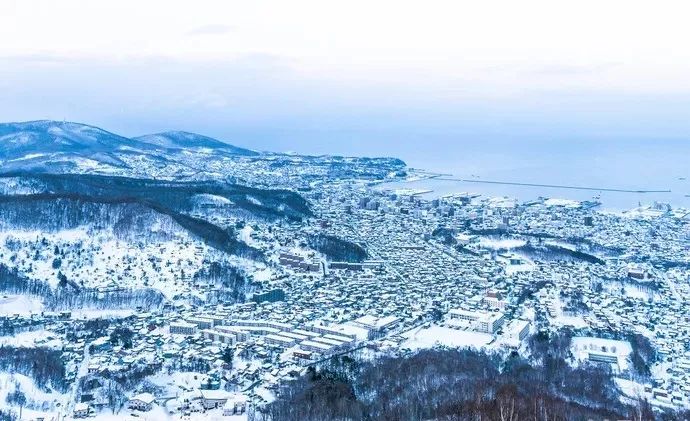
(411,79)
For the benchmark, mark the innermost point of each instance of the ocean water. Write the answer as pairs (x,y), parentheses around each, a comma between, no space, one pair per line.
(653,165)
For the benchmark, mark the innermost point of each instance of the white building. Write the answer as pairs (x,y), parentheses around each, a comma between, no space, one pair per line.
(318,347)
(240,334)
(142,402)
(183,328)
(81,410)
(202,322)
(279,340)
(211,399)
(515,332)
(235,405)
(480,321)
(221,337)
(376,326)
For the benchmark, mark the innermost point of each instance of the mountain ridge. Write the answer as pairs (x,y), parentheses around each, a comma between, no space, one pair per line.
(178,139)
(19,139)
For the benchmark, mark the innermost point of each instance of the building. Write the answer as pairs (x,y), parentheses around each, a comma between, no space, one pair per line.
(494,300)
(302,354)
(142,402)
(317,347)
(183,328)
(226,338)
(346,266)
(201,322)
(515,332)
(211,399)
(340,338)
(240,334)
(299,262)
(479,321)
(330,342)
(278,340)
(373,264)
(640,274)
(330,330)
(614,353)
(270,325)
(81,410)
(235,405)
(376,326)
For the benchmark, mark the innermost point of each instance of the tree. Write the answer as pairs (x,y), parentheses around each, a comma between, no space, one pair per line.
(436,314)
(122,336)
(227,356)
(17,398)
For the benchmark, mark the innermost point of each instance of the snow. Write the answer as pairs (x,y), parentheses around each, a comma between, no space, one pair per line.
(31,339)
(574,321)
(501,243)
(105,260)
(39,403)
(444,336)
(27,157)
(562,202)
(254,200)
(211,199)
(246,235)
(630,388)
(22,305)
(157,413)
(582,346)
(101,313)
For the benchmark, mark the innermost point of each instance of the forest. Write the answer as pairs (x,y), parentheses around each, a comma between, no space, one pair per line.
(68,296)
(458,384)
(174,195)
(336,249)
(45,366)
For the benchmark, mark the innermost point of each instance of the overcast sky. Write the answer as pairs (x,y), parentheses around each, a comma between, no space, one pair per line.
(352,77)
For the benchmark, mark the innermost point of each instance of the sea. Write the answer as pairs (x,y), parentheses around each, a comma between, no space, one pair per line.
(621,174)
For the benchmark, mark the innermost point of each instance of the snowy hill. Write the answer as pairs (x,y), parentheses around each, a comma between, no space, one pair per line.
(60,147)
(29,139)
(186,140)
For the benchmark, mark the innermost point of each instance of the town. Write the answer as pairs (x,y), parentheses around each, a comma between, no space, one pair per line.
(374,271)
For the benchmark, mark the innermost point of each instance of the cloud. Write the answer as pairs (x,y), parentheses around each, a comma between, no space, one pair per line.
(212,29)
(38,58)
(567,69)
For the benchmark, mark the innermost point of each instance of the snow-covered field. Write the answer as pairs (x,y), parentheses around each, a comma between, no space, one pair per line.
(501,243)
(584,346)
(22,305)
(444,336)
(29,339)
(39,403)
(101,259)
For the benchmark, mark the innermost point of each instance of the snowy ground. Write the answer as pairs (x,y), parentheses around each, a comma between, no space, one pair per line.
(562,319)
(444,336)
(582,346)
(41,338)
(501,243)
(23,305)
(102,314)
(101,259)
(562,202)
(39,403)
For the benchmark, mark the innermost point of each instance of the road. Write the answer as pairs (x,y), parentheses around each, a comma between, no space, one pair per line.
(81,372)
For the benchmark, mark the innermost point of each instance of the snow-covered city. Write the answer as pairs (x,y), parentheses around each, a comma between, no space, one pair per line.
(190,295)
(354,210)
